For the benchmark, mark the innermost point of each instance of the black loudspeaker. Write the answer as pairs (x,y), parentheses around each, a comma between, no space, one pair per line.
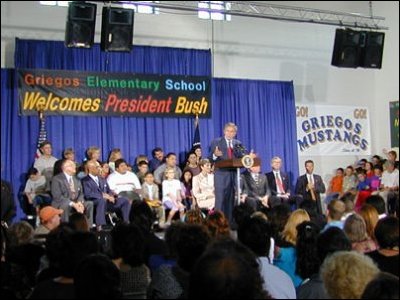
(346,51)
(81,24)
(117,29)
(372,52)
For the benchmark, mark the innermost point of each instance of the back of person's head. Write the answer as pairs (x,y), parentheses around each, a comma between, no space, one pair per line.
(346,274)
(97,277)
(79,222)
(218,224)
(355,228)
(387,233)
(371,218)
(128,244)
(336,209)
(297,217)
(192,242)
(377,202)
(278,217)
(172,235)
(330,241)
(255,233)
(310,207)
(307,262)
(241,212)
(227,270)
(20,233)
(383,286)
(348,196)
(75,247)
(141,215)
(195,216)
(55,242)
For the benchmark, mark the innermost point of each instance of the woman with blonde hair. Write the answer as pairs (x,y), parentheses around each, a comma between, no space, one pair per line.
(371,218)
(289,233)
(285,249)
(346,274)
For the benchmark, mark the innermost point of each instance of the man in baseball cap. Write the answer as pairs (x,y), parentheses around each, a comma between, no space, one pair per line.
(49,219)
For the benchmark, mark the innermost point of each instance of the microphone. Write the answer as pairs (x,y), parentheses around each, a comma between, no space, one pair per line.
(239,150)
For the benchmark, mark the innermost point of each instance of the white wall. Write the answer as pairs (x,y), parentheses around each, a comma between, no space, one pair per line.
(253,49)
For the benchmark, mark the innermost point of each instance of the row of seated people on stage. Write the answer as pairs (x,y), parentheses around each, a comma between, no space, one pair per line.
(257,189)
(282,254)
(367,179)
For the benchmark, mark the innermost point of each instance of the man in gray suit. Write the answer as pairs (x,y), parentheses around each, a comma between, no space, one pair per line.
(224,180)
(67,193)
(255,188)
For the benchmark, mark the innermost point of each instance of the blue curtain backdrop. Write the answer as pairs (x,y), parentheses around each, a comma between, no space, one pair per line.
(263,110)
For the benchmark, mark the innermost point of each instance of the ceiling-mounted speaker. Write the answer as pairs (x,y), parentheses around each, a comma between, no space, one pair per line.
(346,51)
(117,29)
(372,52)
(81,23)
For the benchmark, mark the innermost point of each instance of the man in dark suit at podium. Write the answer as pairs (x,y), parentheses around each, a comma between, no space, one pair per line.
(225,179)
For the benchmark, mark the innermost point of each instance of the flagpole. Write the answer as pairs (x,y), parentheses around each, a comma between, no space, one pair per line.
(42,129)
(196,120)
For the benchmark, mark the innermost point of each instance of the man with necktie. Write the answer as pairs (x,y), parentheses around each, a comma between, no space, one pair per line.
(254,188)
(309,186)
(96,190)
(279,184)
(225,179)
(67,194)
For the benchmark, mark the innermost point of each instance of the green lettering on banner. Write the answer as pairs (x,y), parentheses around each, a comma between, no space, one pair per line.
(394,123)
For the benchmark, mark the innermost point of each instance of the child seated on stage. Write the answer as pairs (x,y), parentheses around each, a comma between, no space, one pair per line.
(171,191)
(151,196)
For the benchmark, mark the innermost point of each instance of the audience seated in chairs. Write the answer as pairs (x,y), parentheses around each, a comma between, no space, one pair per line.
(172,282)
(346,274)
(255,233)
(49,220)
(97,277)
(128,255)
(210,278)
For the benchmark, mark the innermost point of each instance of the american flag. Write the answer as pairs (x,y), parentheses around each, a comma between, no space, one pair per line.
(196,138)
(42,136)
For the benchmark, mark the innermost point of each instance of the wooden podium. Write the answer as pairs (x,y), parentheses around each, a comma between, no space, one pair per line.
(236,163)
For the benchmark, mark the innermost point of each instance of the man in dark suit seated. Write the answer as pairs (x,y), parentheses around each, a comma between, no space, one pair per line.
(67,193)
(224,179)
(96,189)
(278,182)
(255,189)
(309,186)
